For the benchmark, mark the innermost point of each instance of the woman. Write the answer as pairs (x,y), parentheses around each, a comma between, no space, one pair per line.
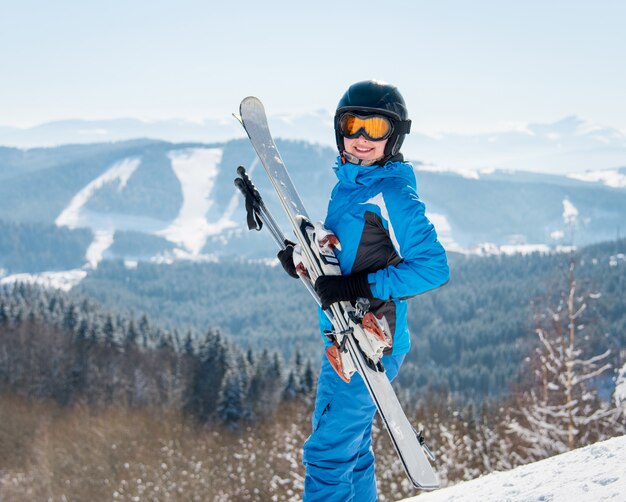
(389,253)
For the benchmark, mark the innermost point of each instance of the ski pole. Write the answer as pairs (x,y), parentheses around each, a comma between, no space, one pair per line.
(256,208)
(257,211)
(254,202)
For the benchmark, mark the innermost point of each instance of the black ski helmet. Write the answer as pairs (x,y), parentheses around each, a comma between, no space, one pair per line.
(376,97)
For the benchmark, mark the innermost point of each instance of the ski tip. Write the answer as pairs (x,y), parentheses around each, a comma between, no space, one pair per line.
(250,99)
(250,102)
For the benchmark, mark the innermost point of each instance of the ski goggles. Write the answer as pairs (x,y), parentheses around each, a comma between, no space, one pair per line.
(373,127)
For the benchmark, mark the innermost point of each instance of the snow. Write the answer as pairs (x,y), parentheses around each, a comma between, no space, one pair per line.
(75,216)
(609,177)
(196,169)
(102,241)
(491,249)
(593,473)
(570,213)
(469,173)
(615,260)
(444,234)
(557,235)
(121,172)
(64,280)
(511,249)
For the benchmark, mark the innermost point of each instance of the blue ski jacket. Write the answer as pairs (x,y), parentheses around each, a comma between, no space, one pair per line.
(382,228)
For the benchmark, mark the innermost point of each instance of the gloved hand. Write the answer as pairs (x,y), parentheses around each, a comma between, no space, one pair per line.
(335,288)
(285,256)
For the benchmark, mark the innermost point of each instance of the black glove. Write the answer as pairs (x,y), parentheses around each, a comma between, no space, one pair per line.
(335,288)
(285,256)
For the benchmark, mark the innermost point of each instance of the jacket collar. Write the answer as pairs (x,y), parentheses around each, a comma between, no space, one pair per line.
(359,175)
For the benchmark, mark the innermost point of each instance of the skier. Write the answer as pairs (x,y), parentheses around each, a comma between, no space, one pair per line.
(388,253)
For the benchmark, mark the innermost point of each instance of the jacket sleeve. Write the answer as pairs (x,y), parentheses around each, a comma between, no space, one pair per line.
(424,264)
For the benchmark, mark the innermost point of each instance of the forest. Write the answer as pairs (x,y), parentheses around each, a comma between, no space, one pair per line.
(513,361)
(468,337)
(48,247)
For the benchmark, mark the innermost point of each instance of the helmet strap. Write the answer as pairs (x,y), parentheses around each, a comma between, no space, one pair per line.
(347,157)
(356,161)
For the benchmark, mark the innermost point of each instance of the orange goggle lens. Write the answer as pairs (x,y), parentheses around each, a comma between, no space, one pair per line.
(373,127)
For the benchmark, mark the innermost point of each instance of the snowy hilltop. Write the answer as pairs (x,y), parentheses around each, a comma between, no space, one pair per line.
(593,473)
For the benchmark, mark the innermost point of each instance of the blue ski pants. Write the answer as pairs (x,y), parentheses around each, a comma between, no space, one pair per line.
(338,455)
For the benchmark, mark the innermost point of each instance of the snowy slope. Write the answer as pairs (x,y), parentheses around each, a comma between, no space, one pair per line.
(590,474)
(195,168)
(147,200)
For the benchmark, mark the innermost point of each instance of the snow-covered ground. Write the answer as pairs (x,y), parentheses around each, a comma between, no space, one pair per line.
(64,280)
(591,474)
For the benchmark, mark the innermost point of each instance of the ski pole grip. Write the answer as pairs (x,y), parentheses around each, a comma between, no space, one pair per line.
(241,186)
(241,171)
(254,219)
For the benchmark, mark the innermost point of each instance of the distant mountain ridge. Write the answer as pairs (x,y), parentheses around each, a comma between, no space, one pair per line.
(155,200)
(569,145)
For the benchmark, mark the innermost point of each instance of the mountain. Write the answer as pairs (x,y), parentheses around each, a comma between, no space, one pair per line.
(567,145)
(161,201)
(63,132)
(593,473)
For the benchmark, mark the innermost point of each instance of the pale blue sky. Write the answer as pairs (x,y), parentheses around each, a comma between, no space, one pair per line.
(462,66)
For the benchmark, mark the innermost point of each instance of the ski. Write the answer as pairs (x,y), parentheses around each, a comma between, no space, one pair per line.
(408,444)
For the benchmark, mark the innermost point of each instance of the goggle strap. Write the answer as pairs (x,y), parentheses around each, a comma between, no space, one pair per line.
(402,126)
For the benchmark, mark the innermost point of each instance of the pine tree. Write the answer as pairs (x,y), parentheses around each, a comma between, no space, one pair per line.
(265,390)
(4,315)
(208,377)
(144,331)
(108,330)
(231,407)
(292,388)
(308,379)
(131,335)
(70,318)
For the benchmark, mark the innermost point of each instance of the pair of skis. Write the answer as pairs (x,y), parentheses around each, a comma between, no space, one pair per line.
(408,443)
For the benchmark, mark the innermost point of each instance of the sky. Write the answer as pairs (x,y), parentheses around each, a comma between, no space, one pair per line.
(462,66)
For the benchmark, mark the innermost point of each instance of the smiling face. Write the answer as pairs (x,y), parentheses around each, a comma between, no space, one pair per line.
(364,149)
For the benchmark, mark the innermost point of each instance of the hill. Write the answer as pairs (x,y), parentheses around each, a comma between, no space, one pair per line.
(145,200)
(594,473)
